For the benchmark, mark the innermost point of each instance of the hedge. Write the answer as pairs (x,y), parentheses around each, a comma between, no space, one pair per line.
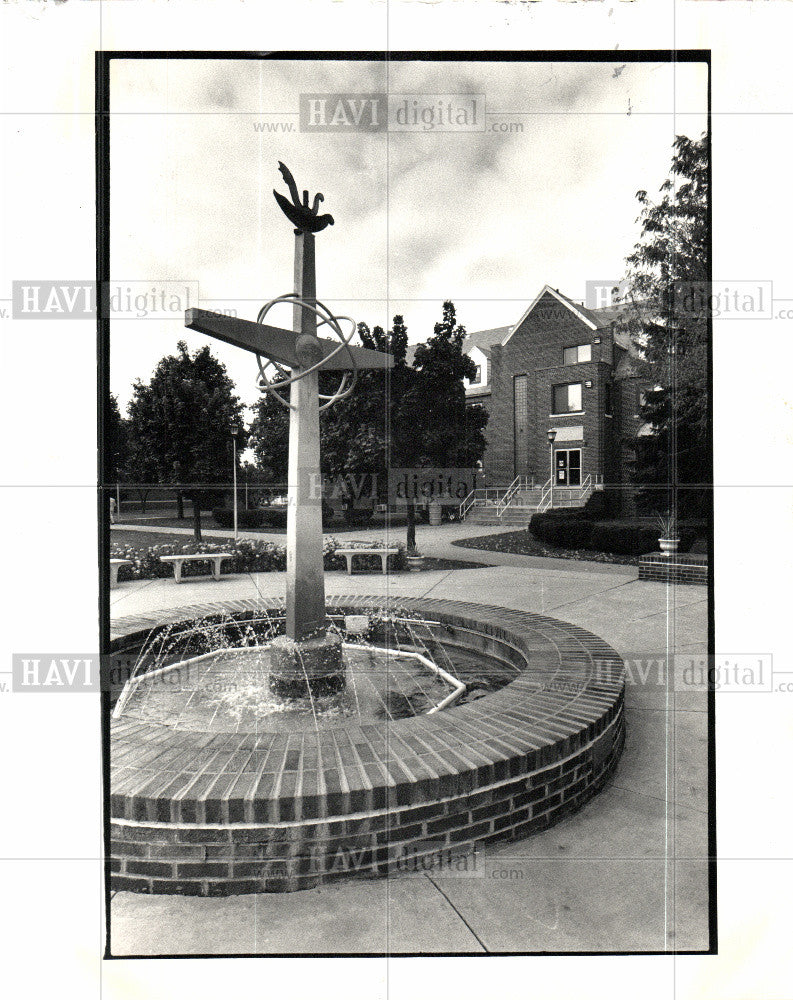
(262,517)
(250,556)
(246,519)
(572,529)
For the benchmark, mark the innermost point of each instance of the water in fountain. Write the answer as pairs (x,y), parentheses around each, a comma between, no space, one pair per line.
(213,676)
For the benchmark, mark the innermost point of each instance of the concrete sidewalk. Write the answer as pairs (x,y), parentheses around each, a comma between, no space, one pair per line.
(626,873)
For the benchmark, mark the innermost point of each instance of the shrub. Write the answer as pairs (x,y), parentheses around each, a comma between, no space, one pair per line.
(569,533)
(248,520)
(624,539)
(274,517)
(251,555)
(357,515)
(571,529)
(598,505)
(262,517)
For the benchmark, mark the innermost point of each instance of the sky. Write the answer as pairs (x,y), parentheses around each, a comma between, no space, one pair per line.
(485,218)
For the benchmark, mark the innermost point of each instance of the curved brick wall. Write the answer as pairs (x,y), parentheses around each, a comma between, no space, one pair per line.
(215,814)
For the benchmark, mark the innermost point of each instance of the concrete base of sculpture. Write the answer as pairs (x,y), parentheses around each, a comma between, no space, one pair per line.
(306,667)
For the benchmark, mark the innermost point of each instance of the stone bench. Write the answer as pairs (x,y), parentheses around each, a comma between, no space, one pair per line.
(216,558)
(115,566)
(366,549)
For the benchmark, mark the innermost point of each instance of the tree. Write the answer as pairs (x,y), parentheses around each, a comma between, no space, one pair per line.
(452,433)
(115,441)
(357,431)
(269,437)
(402,417)
(179,426)
(433,426)
(669,273)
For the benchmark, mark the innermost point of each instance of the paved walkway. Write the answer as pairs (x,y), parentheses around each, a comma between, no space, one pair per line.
(628,872)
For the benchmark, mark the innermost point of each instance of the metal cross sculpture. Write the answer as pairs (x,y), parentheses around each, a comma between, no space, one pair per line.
(302,351)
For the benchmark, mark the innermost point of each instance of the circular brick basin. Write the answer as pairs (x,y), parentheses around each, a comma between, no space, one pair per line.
(221,813)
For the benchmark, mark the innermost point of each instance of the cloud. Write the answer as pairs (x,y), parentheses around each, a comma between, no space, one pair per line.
(485,217)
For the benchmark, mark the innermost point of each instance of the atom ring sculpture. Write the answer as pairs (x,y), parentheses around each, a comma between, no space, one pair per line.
(306,348)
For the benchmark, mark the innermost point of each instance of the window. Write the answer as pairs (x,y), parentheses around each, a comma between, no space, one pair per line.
(607,398)
(577,355)
(477,375)
(567,398)
(521,418)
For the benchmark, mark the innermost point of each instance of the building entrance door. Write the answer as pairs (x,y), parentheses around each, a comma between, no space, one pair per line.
(568,467)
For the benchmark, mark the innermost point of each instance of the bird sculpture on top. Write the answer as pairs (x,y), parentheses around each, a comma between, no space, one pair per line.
(304,218)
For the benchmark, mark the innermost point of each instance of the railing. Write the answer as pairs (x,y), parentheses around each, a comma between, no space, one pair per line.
(503,497)
(484,496)
(545,496)
(467,504)
(517,484)
(565,493)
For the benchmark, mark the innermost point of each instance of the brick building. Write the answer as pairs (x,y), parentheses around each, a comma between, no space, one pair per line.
(565,368)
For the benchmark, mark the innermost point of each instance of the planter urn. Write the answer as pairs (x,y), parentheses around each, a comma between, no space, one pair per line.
(668,546)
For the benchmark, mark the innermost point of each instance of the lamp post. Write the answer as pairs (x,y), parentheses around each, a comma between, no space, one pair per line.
(551,439)
(234,432)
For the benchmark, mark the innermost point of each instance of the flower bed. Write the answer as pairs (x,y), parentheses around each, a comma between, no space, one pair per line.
(250,556)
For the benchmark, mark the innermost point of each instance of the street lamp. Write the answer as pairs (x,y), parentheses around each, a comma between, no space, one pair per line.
(234,432)
(551,439)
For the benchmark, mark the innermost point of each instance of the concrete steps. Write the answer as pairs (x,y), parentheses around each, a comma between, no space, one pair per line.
(519,516)
(520,510)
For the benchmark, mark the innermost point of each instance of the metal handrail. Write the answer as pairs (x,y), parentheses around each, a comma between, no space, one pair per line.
(545,496)
(517,483)
(503,497)
(467,504)
(482,496)
(584,490)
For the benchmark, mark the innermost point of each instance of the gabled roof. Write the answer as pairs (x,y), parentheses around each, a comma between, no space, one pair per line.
(595,319)
(583,314)
(592,315)
(484,339)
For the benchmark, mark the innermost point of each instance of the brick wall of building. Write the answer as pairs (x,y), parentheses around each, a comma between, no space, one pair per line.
(536,350)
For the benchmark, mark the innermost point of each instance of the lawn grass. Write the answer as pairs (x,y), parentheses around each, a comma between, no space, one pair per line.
(336,525)
(143,539)
(207,524)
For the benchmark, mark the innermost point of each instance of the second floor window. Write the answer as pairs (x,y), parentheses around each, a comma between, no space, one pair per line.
(477,375)
(567,398)
(575,355)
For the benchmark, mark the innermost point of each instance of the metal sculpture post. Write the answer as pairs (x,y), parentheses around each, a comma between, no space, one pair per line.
(306,658)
